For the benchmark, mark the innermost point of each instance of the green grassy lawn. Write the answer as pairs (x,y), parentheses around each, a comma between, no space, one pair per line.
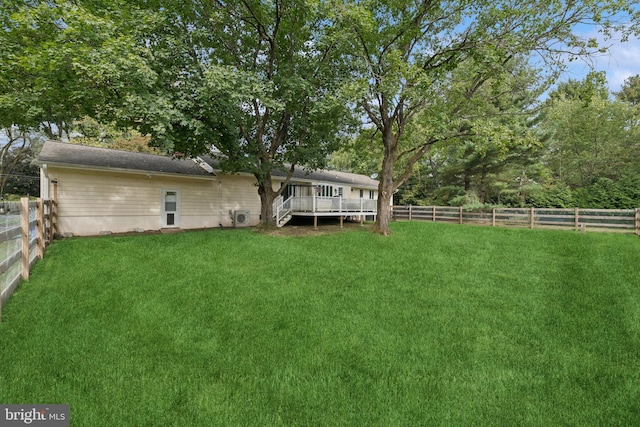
(436,325)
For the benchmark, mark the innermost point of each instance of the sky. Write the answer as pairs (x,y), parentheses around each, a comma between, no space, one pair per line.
(622,62)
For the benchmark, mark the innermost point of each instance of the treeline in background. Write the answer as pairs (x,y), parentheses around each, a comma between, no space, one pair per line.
(579,147)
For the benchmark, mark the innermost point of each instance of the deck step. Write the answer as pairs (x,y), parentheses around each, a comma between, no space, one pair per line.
(284,220)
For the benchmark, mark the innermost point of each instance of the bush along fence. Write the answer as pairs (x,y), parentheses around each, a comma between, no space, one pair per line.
(618,220)
(26,229)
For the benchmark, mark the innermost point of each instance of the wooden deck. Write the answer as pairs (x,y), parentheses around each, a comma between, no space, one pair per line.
(315,206)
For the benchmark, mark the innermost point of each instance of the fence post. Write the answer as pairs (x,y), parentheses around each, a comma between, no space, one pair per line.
(460,214)
(532,217)
(40,228)
(47,219)
(577,219)
(434,214)
(24,221)
(410,213)
(52,219)
(638,222)
(54,210)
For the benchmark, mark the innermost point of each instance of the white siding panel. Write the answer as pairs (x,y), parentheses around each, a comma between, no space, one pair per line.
(91,226)
(91,202)
(238,192)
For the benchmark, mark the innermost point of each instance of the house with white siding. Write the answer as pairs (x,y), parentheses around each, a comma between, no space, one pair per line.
(102,191)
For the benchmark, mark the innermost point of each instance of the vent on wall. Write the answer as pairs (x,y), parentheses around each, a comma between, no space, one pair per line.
(241,218)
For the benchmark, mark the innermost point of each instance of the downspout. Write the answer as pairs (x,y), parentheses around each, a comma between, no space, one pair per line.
(44,181)
(207,167)
(220,202)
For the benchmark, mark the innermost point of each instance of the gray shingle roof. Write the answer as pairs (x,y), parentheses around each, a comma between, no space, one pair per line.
(83,156)
(63,154)
(352,179)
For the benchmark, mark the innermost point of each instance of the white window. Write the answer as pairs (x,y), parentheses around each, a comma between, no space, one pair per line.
(325,190)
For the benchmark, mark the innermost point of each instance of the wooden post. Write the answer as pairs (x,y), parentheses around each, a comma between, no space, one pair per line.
(434,214)
(493,217)
(409,212)
(54,210)
(315,222)
(24,222)
(54,219)
(50,205)
(341,220)
(532,217)
(40,229)
(638,222)
(460,214)
(577,219)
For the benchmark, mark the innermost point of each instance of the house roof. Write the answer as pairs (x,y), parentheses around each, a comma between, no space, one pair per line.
(352,179)
(83,156)
(87,157)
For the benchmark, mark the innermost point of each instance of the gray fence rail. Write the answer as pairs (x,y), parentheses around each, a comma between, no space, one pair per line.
(612,220)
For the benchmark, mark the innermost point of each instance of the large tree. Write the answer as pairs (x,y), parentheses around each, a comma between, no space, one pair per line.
(494,132)
(61,61)
(407,52)
(253,80)
(256,80)
(17,175)
(591,136)
(630,90)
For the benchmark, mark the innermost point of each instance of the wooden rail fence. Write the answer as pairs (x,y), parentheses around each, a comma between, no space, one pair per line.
(26,229)
(619,220)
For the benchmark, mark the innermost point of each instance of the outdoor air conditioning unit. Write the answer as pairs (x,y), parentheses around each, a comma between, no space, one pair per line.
(241,218)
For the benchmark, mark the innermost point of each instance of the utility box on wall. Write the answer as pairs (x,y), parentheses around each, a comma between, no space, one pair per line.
(241,218)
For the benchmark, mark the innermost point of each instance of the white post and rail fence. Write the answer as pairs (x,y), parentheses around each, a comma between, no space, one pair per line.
(26,229)
(610,220)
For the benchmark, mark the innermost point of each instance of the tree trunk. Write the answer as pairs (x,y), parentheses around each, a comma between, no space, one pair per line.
(467,182)
(386,186)
(267,196)
(483,184)
(383,217)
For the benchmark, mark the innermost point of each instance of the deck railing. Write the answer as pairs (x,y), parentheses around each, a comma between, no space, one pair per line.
(316,204)
(281,208)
